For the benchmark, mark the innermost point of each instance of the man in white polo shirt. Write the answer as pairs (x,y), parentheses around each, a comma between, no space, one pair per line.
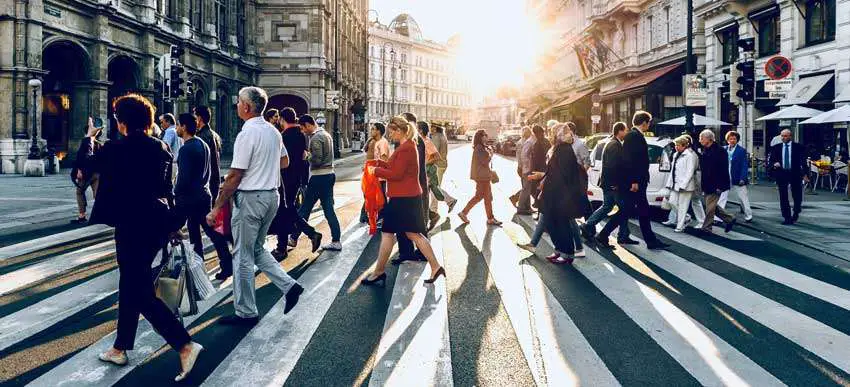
(252,182)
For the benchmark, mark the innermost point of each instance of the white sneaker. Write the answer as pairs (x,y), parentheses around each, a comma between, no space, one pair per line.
(668,223)
(679,230)
(333,246)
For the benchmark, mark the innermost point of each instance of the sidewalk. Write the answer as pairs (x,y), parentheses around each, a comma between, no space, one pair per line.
(824,223)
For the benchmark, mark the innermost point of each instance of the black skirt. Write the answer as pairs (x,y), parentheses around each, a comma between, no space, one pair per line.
(404,215)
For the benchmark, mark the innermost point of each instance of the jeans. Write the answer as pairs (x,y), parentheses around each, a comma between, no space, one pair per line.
(196,220)
(321,188)
(136,250)
(609,198)
(539,228)
(576,234)
(253,212)
(637,202)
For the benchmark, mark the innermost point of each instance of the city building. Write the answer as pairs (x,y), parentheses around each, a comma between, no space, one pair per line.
(410,73)
(301,61)
(88,52)
(608,58)
(505,111)
(813,34)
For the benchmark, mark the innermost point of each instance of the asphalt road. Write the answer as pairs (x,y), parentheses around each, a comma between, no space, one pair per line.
(723,309)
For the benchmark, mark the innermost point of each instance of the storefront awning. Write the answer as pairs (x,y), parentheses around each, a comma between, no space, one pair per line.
(640,81)
(804,90)
(844,96)
(572,98)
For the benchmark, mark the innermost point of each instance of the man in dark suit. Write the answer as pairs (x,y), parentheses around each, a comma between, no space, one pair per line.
(213,141)
(636,172)
(610,181)
(787,161)
(715,180)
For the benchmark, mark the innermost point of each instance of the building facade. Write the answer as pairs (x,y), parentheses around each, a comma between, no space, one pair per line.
(410,73)
(813,34)
(88,52)
(307,48)
(608,58)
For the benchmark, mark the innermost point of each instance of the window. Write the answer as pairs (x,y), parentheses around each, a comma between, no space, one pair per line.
(673,106)
(221,20)
(404,58)
(196,12)
(820,21)
(728,39)
(240,25)
(635,37)
(624,110)
(649,35)
(667,23)
(769,35)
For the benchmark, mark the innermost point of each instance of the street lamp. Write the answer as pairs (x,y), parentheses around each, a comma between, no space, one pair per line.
(394,75)
(689,64)
(384,76)
(35,152)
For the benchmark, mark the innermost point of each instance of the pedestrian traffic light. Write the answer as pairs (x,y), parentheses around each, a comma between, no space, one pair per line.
(747,80)
(175,73)
(730,85)
(747,44)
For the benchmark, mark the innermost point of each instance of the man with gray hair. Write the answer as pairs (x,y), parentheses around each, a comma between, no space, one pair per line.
(787,163)
(714,164)
(252,182)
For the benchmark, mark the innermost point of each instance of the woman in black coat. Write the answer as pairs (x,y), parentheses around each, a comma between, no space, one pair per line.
(561,198)
(134,195)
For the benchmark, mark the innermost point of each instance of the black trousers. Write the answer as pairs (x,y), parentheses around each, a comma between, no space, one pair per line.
(196,220)
(637,204)
(784,180)
(136,250)
(288,210)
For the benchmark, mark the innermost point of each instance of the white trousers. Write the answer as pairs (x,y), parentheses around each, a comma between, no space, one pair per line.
(743,196)
(679,203)
(693,200)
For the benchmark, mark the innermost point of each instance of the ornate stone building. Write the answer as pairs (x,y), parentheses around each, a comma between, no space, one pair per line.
(87,52)
(300,57)
(410,73)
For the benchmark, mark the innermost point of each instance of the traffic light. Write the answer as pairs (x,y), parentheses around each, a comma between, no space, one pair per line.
(190,88)
(747,44)
(747,80)
(730,85)
(175,79)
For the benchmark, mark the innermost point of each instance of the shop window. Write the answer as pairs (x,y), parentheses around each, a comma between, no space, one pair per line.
(769,34)
(673,107)
(623,111)
(820,21)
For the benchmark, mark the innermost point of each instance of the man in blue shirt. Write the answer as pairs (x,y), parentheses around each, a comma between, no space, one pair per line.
(192,193)
(169,135)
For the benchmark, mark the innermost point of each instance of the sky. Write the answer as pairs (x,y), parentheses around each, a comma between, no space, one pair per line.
(499,40)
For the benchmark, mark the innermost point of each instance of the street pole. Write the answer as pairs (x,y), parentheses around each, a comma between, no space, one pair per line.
(336,79)
(383,83)
(426,102)
(392,63)
(35,153)
(689,65)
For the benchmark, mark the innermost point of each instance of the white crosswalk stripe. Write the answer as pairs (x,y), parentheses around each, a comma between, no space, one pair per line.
(415,343)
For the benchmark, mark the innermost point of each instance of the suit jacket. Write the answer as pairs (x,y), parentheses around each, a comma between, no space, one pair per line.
(213,141)
(635,158)
(295,143)
(799,167)
(739,169)
(135,184)
(612,166)
(714,164)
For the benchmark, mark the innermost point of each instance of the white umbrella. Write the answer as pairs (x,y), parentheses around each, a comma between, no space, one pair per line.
(790,113)
(841,114)
(698,121)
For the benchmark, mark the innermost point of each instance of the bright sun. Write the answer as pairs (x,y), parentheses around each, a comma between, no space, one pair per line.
(498,45)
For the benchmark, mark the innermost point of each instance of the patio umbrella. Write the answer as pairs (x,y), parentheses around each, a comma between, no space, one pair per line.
(698,121)
(841,114)
(790,113)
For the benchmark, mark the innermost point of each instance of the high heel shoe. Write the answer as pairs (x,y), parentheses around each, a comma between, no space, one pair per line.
(379,281)
(437,274)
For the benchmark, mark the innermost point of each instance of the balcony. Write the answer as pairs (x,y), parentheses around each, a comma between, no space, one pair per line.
(604,10)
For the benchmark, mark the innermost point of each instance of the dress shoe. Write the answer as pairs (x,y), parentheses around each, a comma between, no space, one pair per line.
(222,276)
(787,222)
(602,241)
(627,242)
(119,359)
(729,225)
(279,255)
(236,320)
(452,204)
(292,297)
(379,280)
(657,245)
(796,216)
(316,239)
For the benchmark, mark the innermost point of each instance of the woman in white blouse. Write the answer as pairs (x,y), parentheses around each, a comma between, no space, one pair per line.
(681,181)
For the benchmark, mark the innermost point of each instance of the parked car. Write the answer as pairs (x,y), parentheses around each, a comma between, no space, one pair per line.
(660,150)
(594,139)
(506,143)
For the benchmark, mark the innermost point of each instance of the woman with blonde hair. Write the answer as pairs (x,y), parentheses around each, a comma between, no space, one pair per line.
(681,180)
(403,211)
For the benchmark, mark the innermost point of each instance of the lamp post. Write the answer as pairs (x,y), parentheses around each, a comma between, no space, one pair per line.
(689,64)
(384,76)
(336,78)
(34,166)
(394,74)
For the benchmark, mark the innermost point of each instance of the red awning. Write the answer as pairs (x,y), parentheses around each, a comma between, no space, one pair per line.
(641,80)
(572,98)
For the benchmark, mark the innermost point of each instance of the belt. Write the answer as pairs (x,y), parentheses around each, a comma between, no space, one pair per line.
(257,190)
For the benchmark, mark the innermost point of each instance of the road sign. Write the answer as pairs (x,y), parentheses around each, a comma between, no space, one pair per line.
(781,85)
(778,67)
(332,99)
(776,95)
(595,119)
(695,90)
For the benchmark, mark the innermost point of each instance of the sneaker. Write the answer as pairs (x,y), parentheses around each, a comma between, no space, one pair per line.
(679,230)
(668,223)
(333,246)
(316,239)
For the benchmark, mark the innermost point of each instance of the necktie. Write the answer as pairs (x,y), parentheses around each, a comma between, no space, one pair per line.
(787,156)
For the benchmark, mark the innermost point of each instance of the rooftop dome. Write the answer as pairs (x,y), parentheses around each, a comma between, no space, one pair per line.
(404,24)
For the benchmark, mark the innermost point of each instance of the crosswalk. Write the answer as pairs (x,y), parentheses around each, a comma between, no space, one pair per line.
(725,309)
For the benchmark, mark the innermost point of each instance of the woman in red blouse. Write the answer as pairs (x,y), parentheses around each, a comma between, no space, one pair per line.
(403,211)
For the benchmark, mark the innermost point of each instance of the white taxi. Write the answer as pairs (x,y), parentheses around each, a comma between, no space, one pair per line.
(660,149)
